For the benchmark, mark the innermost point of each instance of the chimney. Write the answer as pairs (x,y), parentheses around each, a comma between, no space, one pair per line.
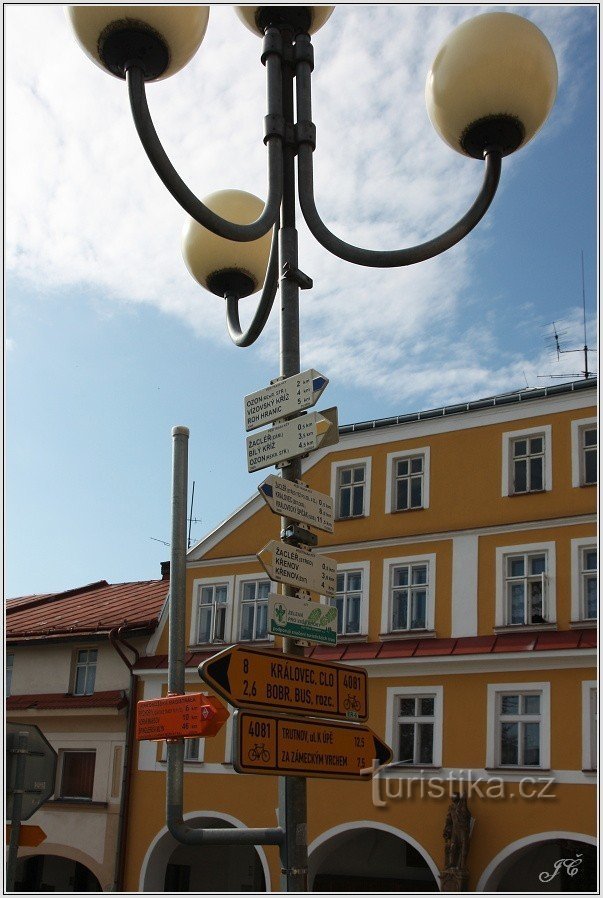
(165,570)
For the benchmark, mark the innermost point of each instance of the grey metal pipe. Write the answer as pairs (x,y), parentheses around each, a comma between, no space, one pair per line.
(264,307)
(17,790)
(176,673)
(190,203)
(370,257)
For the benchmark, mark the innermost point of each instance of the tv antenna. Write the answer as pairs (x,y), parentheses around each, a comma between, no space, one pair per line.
(584,349)
(191,520)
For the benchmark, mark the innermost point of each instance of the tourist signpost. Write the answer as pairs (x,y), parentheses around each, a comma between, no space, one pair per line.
(299,567)
(270,744)
(255,678)
(284,397)
(188,716)
(291,439)
(296,500)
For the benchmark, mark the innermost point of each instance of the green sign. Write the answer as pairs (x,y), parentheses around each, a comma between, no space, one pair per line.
(288,616)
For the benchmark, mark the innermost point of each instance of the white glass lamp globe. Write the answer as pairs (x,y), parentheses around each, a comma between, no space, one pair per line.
(166,37)
(494,79)
(221,265)
(305,18)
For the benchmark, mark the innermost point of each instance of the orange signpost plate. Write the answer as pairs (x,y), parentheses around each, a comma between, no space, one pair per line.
(180,716)
(251,678)
(290,746)
(30,836)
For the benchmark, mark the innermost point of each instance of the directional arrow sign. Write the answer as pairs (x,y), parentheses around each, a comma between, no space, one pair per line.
(30,836)
(299,567)
(251,678)
(293,394)
(179,716)
(40,769)
(288,616)
(298,502)
(292,439)
(298,747)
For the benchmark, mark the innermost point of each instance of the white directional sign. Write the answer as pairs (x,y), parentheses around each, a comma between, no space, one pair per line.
(298,567)
(292,438)
(297,619)
(298,502)
(293,394)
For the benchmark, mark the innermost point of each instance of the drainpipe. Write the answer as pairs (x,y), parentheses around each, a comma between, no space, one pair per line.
(176,674)
(115,638)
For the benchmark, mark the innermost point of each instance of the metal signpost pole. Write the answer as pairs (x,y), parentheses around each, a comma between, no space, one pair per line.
(292,789)
(18,790)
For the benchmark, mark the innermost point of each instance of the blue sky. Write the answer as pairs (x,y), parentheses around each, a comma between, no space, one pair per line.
(109,342)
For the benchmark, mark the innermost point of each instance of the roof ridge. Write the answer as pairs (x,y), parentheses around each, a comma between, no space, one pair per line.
(52,596)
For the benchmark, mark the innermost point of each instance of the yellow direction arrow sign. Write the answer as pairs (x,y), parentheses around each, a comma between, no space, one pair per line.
(299,567)
(269,744)
(298,501)
(250,678)
(30,836)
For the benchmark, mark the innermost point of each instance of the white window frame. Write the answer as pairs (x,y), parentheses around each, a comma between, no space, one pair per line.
(392,458)
(508,438)
(88,665)
(577,548)
(350,463)
(493,729)
(577,458)
(393,694)
(365,568)
(386,615)
(549,599)
(212,581)
(200,759)
(589,725)
(239,580)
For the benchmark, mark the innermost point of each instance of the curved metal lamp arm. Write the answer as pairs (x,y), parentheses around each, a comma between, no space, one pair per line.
(264,306)
(176,186)
(376,258)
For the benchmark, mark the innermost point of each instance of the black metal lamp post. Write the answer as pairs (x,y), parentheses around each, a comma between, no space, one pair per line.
(489,90)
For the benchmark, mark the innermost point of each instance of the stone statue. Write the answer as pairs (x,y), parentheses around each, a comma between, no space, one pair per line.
(456,840)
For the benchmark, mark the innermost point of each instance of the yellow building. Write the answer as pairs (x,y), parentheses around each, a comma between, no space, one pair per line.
(465,542)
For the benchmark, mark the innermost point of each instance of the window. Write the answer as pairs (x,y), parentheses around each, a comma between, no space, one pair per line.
(525,585)
(350,485)
(77,774)
(254,609)
(414,725)
(589,725)
(407,485)
(584,580)
(10,660)
(519,725)
(193,749)
(415,730)
(85,671)
(211,612)
(348,601)
(584,452)
(527,464)
(409,588)
(588,578)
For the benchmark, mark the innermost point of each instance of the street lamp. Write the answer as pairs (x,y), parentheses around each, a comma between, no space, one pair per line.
(489,90)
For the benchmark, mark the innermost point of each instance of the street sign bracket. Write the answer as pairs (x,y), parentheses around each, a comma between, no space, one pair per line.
(303,281)
(300,534)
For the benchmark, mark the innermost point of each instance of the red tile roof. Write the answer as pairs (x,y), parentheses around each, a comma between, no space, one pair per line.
(51,701)
(96,608)
(407,648)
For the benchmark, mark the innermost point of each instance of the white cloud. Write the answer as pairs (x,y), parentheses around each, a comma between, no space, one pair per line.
(84,207)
